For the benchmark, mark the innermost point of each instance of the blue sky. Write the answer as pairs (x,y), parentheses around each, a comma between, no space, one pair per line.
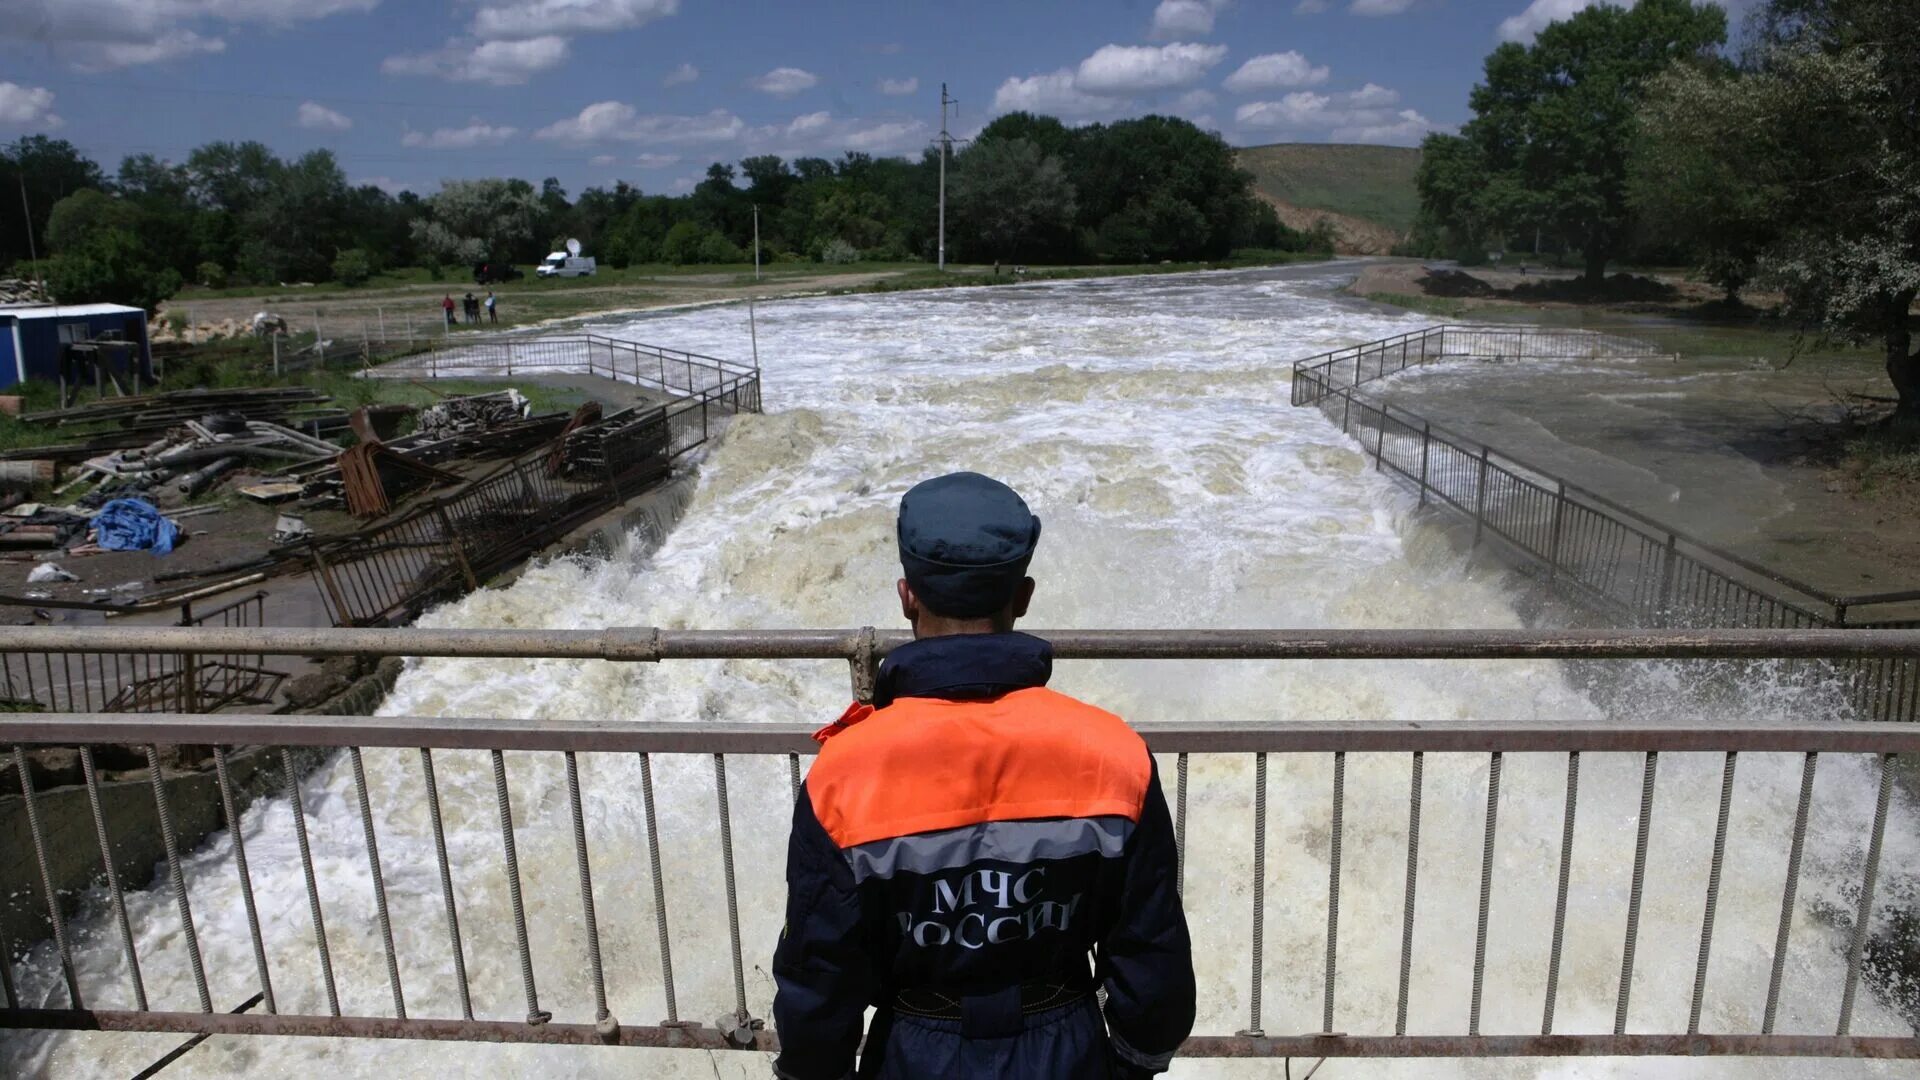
(408,92)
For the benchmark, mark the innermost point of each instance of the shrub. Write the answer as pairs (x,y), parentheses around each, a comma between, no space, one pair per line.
(211,274)
(715,248)
(839,252)
(682,243)
(352,267)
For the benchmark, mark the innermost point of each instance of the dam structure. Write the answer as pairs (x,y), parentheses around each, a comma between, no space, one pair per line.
(1413,828)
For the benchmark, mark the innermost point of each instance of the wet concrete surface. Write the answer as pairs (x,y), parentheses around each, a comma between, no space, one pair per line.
(1715,446)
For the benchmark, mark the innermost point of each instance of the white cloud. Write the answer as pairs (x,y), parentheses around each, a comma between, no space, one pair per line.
(1276,71)
(601,161)
(1194,99)
(385,183)
(1379,7)
(466,138)
(784,82)
(522,19)
(656,161)
(899,87)
(809,123)
(1054,94)
(681,75)
(1537,16)
(27,106)
(1176,19)
(317,117)
(686,183)
(99,35)
(1363,115)
(885,137)
(617,121)
(502,63)
(1132,69)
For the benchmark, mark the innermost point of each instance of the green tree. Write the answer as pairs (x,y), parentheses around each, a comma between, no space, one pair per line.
(682,244)
(110,266)
(352,267)
(1547,147)
(472,220)
(50,170)
(1012,197)
(1821,135)
(82,215)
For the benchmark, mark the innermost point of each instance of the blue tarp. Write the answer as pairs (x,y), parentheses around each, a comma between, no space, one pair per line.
(134,525)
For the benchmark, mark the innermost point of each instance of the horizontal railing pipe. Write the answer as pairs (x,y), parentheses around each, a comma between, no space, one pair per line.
(648,644)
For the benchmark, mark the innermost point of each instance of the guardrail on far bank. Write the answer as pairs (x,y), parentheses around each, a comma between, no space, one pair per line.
(1605,557)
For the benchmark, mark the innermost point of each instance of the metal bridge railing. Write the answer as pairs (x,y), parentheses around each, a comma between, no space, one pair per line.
(671,371)
(77,1002)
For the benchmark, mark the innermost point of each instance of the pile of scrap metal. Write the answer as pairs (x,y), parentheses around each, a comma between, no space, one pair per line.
(130,423)
(196,453)
(33,525)
(369,480)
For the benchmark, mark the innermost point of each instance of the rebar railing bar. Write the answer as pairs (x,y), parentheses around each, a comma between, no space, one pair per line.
(1259,891)
(1635,892)
(649,644)
(1863,912)
(297,805)
(504,803)
(1406,917)
(379,881)
(446,885)
(793,775)
(1717,862)
(600,1013)
(1180,824)
(228,806)
(1333,885)
(92,776)
(170,843)
(1486,892)
(46,879)
(659,887)
(740,1014)
(1560,898)
(1794,850)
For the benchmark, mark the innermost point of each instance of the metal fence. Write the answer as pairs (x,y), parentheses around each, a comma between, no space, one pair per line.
(193,681)
(1609,559)
(530,1018)
(671,371)
(389,573)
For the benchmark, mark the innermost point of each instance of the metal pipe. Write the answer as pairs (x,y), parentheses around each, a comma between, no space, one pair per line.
(446,885)
(659,887)
(1863,913)
(170,843)
(741,1019)
(535,1015)
(1259,890)
(1333,885)
(92,775)
(1714,867)
(648,644)
(292,782)
(1794,850)
(600,1013)
(228,807)
(1636,891)
(46,880)
(1384,736)
(1406,918)
(379,881)
(1486,892)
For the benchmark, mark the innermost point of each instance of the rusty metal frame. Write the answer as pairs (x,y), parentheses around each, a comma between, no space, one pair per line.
(702,1037)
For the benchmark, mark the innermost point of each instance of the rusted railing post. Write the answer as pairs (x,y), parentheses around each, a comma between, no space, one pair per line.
(1663,614)
(455,544)
(1553,541)
(866,669)
(342,614)
(1426,448)
(1480,498)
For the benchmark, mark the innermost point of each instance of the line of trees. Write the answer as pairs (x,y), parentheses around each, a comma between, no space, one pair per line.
(1028,189)
(1793,164)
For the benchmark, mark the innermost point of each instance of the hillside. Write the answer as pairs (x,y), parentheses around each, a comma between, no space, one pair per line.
(1366,192)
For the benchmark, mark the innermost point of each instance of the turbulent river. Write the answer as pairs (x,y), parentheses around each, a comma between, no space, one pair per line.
(1146,421)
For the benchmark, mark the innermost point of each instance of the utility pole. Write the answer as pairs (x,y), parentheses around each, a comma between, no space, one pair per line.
(33,256)
(756,241)
(946,147)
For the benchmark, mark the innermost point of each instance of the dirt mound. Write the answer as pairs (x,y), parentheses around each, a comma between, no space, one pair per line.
(1620,288)
(1455,283)
(1351,235)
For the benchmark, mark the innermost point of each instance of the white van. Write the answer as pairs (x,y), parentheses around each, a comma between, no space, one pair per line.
(561,264)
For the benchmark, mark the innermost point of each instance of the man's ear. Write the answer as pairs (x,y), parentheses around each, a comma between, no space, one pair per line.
(1022,597)
(909,603)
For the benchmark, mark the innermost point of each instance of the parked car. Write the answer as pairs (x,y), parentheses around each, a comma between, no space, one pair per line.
(487,273)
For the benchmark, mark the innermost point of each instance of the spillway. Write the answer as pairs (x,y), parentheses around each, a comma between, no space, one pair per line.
(1146,421)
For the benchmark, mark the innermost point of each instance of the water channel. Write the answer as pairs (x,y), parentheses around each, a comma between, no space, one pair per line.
(1146,420)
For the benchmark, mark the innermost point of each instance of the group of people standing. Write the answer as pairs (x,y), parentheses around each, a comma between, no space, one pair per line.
(470,307)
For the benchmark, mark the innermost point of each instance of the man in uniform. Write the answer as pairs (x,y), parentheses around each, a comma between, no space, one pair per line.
(963,845)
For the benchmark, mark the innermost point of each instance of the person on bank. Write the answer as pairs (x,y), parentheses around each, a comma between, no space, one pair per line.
(963,844)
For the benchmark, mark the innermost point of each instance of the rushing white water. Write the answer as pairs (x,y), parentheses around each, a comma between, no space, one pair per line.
(1147,422)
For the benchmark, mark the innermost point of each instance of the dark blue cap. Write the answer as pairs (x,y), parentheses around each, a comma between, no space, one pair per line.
(965,542)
